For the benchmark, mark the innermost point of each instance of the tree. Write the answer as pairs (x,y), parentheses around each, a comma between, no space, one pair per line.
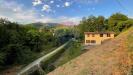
(88,24)
(101,23)
(64,34)
(92,24)
(18,43)
(125,25)
(115,19)
(17,54)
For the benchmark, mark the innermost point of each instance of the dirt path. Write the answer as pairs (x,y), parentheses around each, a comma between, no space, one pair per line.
(111,58)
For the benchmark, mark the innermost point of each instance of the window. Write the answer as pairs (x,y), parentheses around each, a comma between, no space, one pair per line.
(93,35)
(93,41)
(108,35)
(88,41)
(88,35)
(101,35)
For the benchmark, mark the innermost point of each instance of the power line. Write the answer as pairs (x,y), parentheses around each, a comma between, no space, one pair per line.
(119,2)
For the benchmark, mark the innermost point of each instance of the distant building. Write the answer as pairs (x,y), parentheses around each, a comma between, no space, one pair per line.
(40,29)
(96,38)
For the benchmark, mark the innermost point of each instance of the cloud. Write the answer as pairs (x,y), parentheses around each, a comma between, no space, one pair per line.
(51,2)
(67,4)
(64,19)
(57,5)
(37,2)
(42,15)
(18,13)
(46,8)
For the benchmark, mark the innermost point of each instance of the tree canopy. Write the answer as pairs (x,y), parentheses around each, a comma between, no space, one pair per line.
(116,22)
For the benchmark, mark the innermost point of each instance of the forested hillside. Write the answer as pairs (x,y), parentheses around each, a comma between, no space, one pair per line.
(22,44)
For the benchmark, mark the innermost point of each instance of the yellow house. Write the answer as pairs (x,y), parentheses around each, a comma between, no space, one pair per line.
(96,38)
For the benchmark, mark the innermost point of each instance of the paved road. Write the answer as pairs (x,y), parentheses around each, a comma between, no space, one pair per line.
(43,58)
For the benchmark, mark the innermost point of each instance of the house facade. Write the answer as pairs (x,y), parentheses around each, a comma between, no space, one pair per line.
(96,38)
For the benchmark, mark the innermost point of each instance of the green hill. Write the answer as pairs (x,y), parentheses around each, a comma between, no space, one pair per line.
(42,25)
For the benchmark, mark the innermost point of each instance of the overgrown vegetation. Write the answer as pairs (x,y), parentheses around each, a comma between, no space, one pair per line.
(72,51)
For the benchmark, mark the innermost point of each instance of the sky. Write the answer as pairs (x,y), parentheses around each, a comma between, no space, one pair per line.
(61,11)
